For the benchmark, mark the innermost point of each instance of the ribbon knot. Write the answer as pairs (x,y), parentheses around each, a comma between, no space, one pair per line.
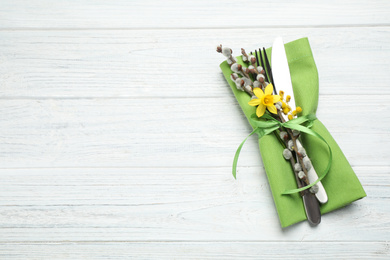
(267,124)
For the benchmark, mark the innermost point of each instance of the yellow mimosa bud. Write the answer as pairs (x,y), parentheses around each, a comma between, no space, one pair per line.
(284,105)
(288,98)
(281,94)
(289,108)
(299,109)
(290,117)
(285,110)
(294,113)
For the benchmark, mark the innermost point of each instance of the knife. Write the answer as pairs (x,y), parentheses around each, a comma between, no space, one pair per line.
(282,79)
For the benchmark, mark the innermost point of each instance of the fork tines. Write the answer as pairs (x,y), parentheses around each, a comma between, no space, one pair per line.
(262,65)
(269,70)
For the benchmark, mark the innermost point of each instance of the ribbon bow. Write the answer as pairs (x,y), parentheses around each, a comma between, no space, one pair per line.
(265,127)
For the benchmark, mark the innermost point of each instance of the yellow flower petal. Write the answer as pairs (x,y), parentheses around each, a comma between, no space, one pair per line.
(276,98)
(254,102)
(260,110)
(272,109)
(268,89)
(258,92)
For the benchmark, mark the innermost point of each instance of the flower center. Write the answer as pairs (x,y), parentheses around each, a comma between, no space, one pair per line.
(268,100)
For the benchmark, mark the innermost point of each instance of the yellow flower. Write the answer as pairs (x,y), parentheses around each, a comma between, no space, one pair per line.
(286,109)
(294,113)
(264,100)
(281,94)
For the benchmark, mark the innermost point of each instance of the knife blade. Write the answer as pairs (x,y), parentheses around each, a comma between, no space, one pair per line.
(282,79)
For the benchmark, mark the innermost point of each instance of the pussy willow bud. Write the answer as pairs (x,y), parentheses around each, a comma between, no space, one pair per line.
(290,145)
(227,51)
(297,167)
(307,163)
(259,76)
(239,83)
(233,76)
(248,88)
(234,68)
(287,154)
(252,59)
(314,189)
(219,48)
(301,175)
(247,81)
(256,84)
(251,69)
(295,132)
(262,80)
(283,135)
(302,151)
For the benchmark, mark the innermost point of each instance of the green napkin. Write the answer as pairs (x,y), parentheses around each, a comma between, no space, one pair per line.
(341,183)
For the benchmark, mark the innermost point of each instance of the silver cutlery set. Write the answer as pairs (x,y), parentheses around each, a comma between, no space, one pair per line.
(280,77)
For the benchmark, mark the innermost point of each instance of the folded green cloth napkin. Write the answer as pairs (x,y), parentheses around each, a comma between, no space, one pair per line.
(341,183)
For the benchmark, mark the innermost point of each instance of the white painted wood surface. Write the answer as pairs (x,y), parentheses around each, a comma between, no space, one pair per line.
(118,130)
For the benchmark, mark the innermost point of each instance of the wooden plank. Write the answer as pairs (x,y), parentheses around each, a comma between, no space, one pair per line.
(197,250)
(50,186)
(174,132)
(193,14)
(113,204)
(176,63)
(202,220)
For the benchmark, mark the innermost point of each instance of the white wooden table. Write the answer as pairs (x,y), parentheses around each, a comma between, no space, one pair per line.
(118,130)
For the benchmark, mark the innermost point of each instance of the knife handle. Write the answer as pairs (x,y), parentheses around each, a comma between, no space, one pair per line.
(310,202)
(312,208)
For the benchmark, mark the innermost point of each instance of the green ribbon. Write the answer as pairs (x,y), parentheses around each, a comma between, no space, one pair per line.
(265,127)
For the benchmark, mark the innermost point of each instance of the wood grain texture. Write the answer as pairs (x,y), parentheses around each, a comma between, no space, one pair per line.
(118,129)
(194,14)
(197,250)
(164,132)
(172,204)
(176,63)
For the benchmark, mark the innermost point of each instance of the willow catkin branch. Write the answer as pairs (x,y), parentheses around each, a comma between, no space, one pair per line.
(295,148)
